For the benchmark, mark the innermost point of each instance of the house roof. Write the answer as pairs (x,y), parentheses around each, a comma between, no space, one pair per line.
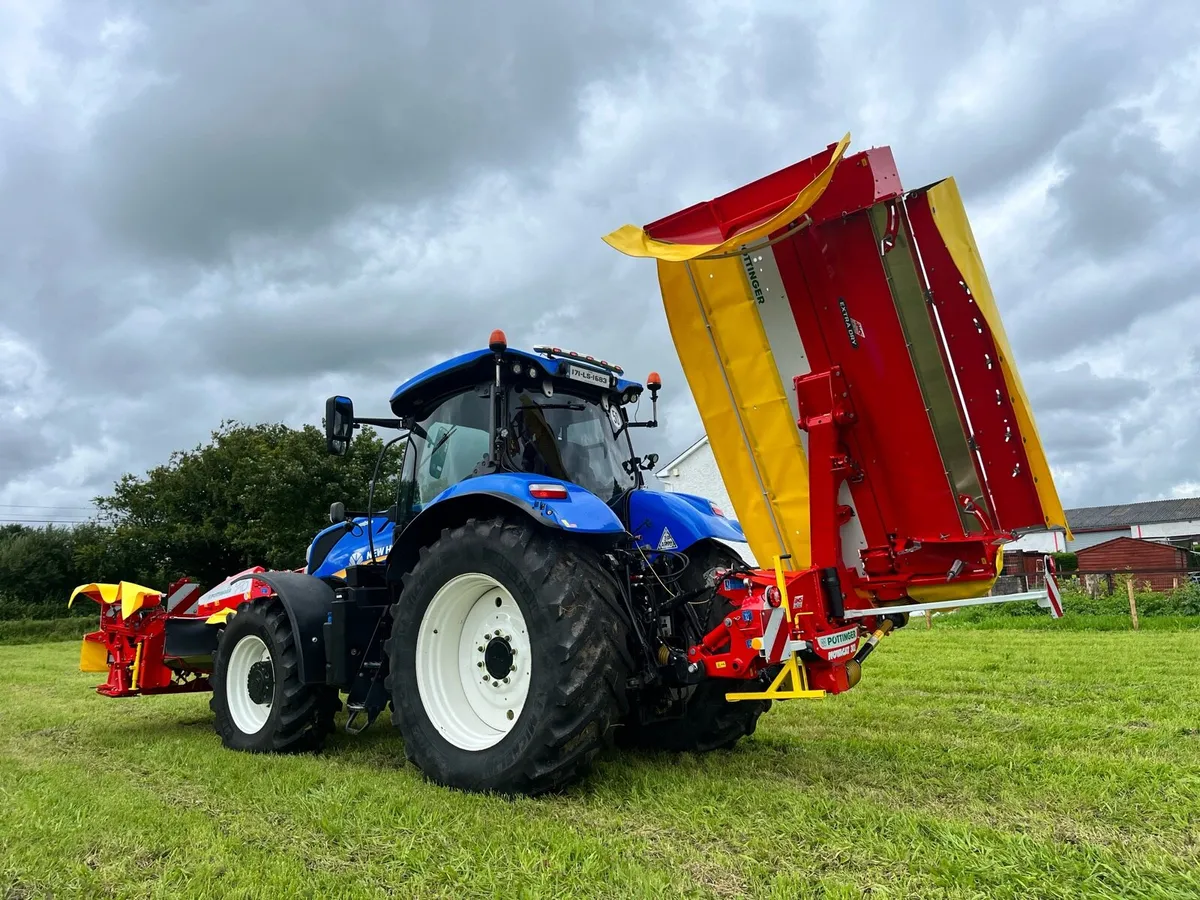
(680,457)
(1125,515)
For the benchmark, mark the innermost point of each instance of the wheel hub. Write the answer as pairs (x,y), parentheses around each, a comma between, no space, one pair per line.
(474,661)
(260,682)
(498,657)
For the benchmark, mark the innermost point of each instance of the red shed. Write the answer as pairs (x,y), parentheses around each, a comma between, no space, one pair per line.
(1151,562)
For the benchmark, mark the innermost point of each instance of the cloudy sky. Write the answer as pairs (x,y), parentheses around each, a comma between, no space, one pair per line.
(231,210)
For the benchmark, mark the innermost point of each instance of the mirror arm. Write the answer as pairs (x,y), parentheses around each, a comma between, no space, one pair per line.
(381,423)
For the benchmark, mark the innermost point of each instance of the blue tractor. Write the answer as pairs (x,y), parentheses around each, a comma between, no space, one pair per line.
(520,600)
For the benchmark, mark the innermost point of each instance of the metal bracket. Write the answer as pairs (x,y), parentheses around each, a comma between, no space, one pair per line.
(793,671)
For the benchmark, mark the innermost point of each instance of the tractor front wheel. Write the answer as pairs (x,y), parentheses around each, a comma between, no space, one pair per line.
(260,703)
(507,659)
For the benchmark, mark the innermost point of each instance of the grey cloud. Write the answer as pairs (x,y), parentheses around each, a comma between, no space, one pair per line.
(1080,389)
(275,202)
(283,117)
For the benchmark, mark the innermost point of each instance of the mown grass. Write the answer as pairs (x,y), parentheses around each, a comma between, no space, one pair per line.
(968,763)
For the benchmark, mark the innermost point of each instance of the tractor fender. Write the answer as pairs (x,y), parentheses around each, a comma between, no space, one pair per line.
(308,601)
(499,494)
(674,521)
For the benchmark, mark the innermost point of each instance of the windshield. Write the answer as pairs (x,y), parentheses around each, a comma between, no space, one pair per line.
(569,438)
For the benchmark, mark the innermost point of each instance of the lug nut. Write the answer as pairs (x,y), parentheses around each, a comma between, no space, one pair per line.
(495,684)
(480,665)
(480,649)
(506,680)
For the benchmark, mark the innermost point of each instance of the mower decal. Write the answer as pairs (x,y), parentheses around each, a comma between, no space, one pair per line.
(837,645)
(837,639)
(838,654)
(666,542)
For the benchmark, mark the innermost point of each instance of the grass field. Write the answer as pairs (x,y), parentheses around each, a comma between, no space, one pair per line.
(969,763)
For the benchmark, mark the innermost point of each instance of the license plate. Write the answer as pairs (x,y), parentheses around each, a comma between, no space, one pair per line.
(589,376)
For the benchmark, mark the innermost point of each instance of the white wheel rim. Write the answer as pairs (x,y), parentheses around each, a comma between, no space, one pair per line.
(248,715)
(467,613)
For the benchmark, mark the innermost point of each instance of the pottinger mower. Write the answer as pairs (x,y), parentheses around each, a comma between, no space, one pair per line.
(524,598)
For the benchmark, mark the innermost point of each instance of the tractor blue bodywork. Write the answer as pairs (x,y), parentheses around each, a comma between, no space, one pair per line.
(658,521)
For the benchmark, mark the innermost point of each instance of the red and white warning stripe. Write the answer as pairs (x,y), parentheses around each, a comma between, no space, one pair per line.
(183,596)
(1052,592)
(775,635)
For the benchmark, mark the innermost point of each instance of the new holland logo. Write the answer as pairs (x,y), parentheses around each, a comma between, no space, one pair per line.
(666,542)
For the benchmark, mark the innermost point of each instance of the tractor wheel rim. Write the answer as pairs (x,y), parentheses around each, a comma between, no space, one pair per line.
(473,661)
(248,715)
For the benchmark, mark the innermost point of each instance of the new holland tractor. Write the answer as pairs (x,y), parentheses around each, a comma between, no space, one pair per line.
(520,599)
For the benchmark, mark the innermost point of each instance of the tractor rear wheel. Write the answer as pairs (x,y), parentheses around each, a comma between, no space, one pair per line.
(260,703)
(507,658)
(709,721)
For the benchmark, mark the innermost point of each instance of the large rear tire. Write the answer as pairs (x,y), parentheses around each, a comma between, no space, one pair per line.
(709,721)
(507,659)
(261,705)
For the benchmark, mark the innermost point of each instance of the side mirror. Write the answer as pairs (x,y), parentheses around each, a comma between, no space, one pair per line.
(337,512)
(339,424)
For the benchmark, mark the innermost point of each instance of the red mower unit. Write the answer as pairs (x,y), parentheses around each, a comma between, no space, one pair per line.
(522,599)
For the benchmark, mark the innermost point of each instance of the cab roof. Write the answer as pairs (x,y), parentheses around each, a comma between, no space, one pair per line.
(422,392)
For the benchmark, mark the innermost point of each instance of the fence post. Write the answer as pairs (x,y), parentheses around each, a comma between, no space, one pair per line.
(928,619)
(1132,603)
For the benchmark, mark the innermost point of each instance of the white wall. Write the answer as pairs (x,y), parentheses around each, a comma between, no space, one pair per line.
(1165,530)
(698,474)
(1039,542)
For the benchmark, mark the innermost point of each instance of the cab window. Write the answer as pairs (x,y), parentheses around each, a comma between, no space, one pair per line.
(457,444)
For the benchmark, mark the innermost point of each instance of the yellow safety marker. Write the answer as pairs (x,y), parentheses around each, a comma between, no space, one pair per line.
(792,670)
(101,593)
(93,656)
(219,616)
(137,664)
(133,597)
(782,585)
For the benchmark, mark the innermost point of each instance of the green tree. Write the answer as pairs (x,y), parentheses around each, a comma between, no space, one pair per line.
(252,495)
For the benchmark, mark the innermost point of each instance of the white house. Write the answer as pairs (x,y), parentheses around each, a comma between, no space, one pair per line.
(694,471)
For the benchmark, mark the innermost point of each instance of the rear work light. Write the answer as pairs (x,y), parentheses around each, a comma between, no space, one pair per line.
(549,492)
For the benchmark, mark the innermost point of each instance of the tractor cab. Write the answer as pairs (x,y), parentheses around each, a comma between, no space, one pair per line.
(555,414)
(549,412)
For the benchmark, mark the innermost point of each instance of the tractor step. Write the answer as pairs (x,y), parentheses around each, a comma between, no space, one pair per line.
(356,710)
